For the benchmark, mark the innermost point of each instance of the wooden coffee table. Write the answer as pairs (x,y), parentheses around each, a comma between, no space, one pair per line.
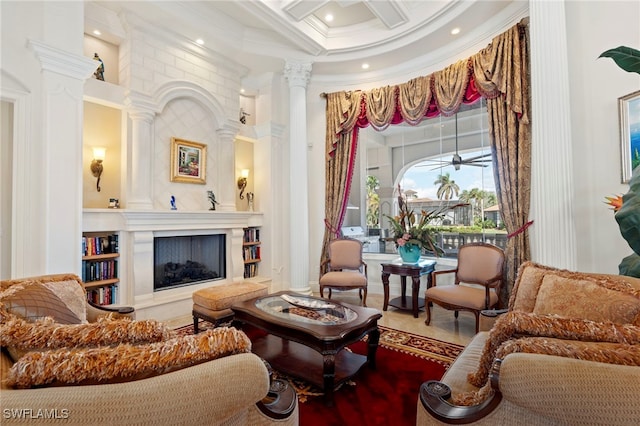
(307,342)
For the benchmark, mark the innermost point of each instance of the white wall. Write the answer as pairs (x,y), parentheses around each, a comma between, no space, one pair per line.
(595,86)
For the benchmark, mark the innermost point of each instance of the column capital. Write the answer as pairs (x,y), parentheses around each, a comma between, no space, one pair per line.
(61,62)
(139,106)
(297,73)
(228,130)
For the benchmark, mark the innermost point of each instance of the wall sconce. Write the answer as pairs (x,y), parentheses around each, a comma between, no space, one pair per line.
(242,182)
(96,164)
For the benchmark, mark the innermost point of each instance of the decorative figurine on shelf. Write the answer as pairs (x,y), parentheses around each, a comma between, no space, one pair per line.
(99,74)
(114,203)
(212,200)
(173,203)
(243,116)
(250,200)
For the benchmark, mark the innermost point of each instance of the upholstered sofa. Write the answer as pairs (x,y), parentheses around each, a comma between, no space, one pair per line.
(565,352)
(147,374)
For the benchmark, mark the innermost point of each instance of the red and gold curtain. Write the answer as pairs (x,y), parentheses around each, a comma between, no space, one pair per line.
(498,73)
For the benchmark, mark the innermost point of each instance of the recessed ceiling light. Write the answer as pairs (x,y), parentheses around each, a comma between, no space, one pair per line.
(241,90)
(365,66)
(200,41)
(455,31)
(96,32)
(328,17)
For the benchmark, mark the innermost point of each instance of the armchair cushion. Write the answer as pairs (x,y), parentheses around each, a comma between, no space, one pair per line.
(32,301)
(515,324)
(125,362)
(68,288)
(587,299)
(21,336)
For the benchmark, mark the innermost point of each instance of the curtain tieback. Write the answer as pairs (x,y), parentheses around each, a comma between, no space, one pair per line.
(520,230)
(331,228)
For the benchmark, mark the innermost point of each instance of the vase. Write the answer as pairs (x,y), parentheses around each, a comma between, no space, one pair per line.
(410,253)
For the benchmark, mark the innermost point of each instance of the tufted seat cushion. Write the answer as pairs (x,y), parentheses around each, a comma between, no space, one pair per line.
(462,295)
(344,279)
(222,297)
(213,304)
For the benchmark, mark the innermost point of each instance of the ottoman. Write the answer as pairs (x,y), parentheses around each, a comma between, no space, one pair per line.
(213,304)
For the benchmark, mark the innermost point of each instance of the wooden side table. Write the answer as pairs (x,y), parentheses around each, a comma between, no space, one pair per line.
(415,271)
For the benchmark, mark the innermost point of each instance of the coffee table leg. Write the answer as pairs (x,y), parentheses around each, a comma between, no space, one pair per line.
(374,338)
(385,287)
(329,375)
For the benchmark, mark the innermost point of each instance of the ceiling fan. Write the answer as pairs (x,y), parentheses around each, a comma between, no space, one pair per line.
(457,160)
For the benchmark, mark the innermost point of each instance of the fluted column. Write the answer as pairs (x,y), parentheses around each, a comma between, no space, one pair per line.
(139,152)
(225,165)
(298,75)
(551,169)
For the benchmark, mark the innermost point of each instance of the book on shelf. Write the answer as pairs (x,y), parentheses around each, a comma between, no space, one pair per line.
(105,295)
(102,244)
(250,270)
(98,270)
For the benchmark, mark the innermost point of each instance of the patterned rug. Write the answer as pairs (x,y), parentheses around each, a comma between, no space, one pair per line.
(426,348)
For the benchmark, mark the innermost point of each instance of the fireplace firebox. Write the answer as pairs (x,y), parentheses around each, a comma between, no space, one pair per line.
(187,260)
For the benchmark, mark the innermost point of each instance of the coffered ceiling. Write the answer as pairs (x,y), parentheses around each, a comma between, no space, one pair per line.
(263,34)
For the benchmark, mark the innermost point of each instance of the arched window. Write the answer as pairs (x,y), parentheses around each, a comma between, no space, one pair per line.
(444,161)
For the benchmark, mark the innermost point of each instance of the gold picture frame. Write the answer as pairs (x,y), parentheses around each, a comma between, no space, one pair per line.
(188,161)
(629,111)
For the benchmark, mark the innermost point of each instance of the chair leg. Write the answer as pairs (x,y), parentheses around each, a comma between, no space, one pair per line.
(195,324)
(477,314)
(329,292)
(427,308)
(364,297)
(456,314)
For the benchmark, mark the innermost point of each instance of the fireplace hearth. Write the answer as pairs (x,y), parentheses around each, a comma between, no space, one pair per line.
(188,260)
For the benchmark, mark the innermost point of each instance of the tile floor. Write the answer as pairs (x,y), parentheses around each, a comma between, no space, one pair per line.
(443,325)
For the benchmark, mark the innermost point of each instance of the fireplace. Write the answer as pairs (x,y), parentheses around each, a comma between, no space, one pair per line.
(186,260)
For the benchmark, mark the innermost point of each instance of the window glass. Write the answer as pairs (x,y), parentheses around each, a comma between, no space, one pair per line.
(444,161)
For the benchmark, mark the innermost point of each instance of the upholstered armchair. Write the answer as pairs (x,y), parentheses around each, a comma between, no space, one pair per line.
(58,364)
(345,268)
(565,352)
(476,285)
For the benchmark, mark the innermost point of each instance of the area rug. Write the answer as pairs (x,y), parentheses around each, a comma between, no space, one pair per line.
(387,395)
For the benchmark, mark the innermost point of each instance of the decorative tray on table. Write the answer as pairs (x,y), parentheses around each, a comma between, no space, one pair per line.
(307,303)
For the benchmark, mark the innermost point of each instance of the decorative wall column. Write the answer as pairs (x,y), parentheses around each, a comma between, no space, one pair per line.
(225,168)
(139,150)
(271,200)
(552,188)
(63,75)
(298,75)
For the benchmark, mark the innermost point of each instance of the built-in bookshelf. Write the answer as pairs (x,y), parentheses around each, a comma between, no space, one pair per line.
(100,256)
(251,251)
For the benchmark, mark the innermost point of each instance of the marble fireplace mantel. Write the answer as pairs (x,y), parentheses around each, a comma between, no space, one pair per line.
(137,230)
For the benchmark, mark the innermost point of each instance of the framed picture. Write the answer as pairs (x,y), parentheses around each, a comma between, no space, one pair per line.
(188,161)
(629,109)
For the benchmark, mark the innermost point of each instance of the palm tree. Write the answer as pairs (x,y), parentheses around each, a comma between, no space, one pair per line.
(373,202)
(479,200)
(447,188)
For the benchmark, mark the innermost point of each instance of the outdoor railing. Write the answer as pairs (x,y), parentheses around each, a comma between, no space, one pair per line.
(449,241)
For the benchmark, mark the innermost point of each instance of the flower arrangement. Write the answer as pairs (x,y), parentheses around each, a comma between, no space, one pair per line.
(408,230)
(614,202)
